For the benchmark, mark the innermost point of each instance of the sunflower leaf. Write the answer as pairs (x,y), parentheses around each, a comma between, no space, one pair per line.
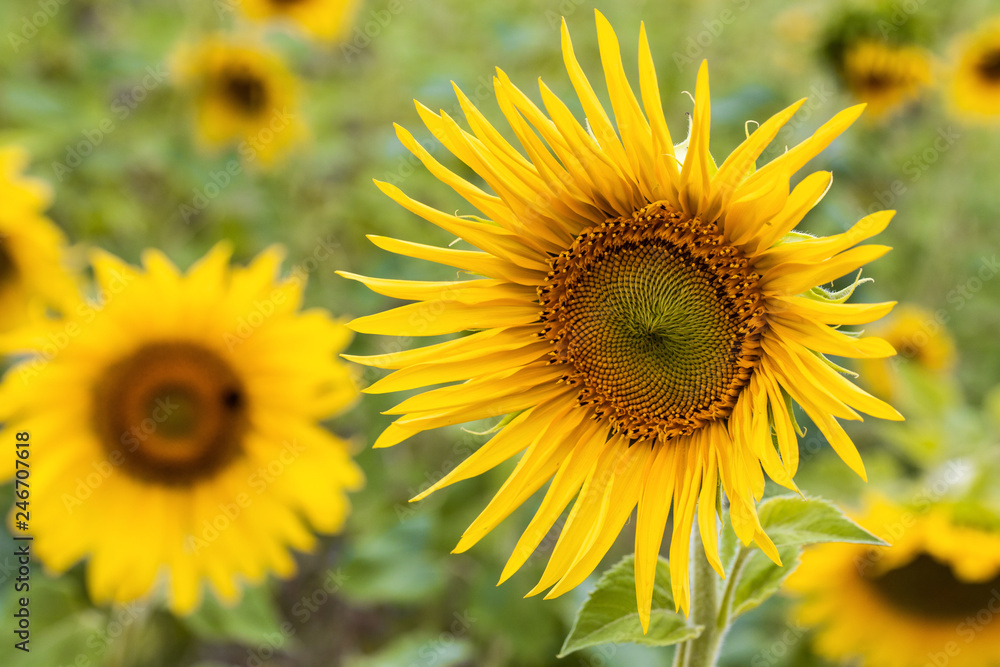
(610,614)
(760,578)
(792,522)
(796,521)
(251,620)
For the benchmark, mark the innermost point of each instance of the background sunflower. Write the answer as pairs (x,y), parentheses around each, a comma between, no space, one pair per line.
(931,596)
(87,91)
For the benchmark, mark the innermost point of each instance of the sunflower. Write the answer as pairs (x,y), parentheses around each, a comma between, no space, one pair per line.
(643,317)
(922,341)
(325,20)
(975,81)
(929,599)
(885,76)
(245,96)
(179,429)
(33,275)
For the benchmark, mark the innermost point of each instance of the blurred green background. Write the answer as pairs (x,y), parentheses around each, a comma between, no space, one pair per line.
(387,592)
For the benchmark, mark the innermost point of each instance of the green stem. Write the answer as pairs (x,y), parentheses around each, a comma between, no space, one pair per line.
(726,608)
(680,655)
(703,650)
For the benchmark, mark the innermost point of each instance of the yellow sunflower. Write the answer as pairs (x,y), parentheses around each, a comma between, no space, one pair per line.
(922,341)
(324,20)
(643,315)
(975,79)
(932,598)
(885,76)
(33,275)
(245,96)
(177,431)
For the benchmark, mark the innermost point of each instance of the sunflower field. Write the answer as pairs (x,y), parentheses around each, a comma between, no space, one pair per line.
(384,333)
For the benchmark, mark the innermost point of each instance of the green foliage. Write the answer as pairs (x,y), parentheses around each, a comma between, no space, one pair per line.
(792,522)
(609,615)
(393,566)
(760,578)
(797,521)
(420,648)
(252,620)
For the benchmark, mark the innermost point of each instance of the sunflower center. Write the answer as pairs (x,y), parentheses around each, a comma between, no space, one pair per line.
(989,66)
(659,320)
(244,90)
(876,82)
(8,269)
(176,411)
(927,587)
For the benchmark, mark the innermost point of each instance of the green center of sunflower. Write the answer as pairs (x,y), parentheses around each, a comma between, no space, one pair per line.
(989,66)
(244,91)
(927,587)
(658,319)
(176,412)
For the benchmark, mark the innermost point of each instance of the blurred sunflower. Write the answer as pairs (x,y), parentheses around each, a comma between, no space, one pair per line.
(644,318)
(325,20)
(180,429)
(931,596)
(975,82)
(921,340)
(33,275)
(885,76)
(245,96)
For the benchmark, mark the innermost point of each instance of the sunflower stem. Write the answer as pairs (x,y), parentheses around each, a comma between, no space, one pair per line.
(726,608)
(703,650)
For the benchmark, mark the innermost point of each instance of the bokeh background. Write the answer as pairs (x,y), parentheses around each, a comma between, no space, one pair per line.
(387,592)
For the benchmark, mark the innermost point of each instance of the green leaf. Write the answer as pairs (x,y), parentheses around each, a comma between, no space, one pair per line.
(760,578)
(374,572)
(797,521)
(251,621)
(791,522)
(610,614)
(63,626)
(419,648)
